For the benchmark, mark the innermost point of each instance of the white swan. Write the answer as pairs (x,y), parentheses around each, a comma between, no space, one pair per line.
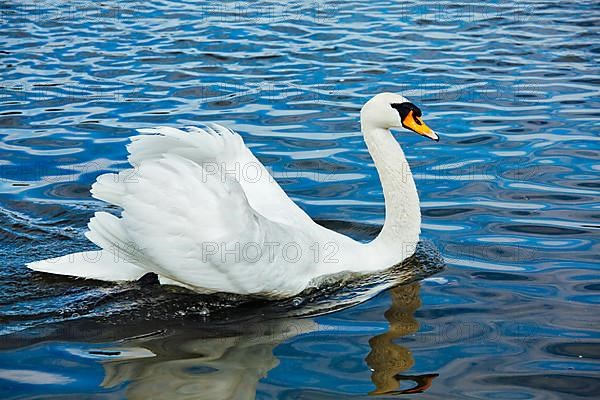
(202,212)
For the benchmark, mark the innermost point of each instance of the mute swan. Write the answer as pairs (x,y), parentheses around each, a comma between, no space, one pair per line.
(202,212)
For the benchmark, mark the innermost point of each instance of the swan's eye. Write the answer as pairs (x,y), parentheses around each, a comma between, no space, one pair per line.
(405,108)
(402,108)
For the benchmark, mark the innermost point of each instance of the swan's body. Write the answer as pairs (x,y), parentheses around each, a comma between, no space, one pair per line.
(202,212)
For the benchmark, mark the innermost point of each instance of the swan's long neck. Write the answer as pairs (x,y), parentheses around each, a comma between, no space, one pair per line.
(401,228)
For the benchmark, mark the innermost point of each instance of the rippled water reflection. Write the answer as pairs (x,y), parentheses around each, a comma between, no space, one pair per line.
(509,196)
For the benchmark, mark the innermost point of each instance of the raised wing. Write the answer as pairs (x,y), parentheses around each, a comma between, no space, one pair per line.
(188,218)
(219,151)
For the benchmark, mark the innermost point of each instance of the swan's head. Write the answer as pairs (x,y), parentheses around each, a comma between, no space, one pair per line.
(390,110)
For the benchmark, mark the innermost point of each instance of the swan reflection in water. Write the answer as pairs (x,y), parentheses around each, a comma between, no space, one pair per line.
(195,365)
(224,367)
(387,359)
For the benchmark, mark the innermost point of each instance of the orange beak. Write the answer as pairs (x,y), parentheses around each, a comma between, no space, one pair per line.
(417,125)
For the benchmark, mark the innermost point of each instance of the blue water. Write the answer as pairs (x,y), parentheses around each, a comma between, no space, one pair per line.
(510,196)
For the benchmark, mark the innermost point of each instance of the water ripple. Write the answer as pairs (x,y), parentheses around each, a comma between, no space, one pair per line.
(509,196)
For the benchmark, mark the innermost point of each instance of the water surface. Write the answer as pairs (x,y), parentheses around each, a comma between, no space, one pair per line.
(509,196)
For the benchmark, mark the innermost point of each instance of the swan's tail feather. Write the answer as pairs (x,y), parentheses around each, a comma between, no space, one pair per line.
(97,264)
(113,263)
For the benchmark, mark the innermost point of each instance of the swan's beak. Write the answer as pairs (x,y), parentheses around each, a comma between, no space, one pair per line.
(417,125)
